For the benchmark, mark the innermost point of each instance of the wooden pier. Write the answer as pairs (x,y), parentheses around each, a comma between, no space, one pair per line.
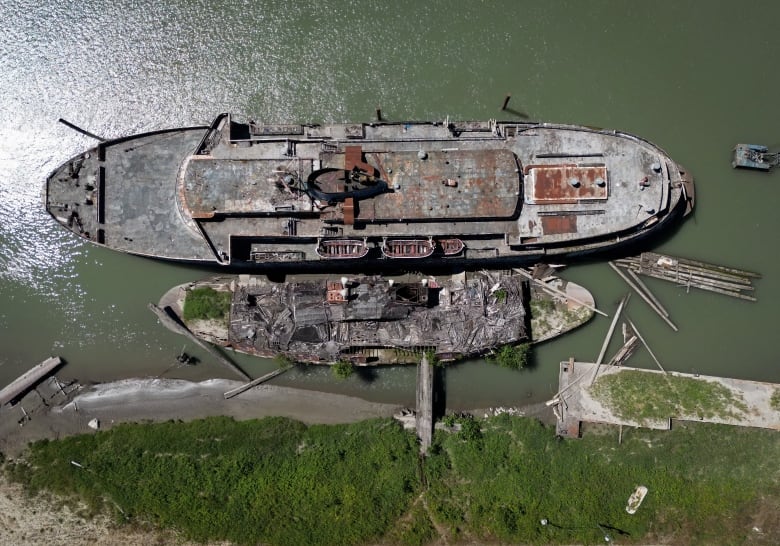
(575,403)
(28,379)
(424,412)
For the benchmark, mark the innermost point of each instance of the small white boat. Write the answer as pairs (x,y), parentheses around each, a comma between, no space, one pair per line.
(636,499)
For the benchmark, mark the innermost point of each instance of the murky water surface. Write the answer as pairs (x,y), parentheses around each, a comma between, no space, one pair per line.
(693,80)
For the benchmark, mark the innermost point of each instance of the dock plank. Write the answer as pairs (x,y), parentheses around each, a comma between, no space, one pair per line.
(28,379)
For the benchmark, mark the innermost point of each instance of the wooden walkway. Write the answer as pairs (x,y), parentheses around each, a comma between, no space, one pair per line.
(424,413)
(575,404)
(28,379)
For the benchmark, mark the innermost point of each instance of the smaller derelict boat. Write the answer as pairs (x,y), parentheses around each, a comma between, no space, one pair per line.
(370,320)
(754,156)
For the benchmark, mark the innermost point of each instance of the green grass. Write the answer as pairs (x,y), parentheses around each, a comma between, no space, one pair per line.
(278,481)
(272,481)
(643,397)
(499,487)
(207,304)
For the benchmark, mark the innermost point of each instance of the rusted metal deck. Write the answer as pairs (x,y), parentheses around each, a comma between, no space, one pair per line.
(263,196)
(576,405)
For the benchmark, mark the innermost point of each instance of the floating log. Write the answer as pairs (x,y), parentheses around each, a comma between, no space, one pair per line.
(636,331)
(640,283)
(624,352)
(643,296)
(246,386)
(28,379)
(609,337)
(177,326)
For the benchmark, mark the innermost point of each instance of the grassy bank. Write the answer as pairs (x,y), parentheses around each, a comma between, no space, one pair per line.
(281,482)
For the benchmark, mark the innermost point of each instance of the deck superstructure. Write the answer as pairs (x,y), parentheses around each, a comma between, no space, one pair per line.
(270,196)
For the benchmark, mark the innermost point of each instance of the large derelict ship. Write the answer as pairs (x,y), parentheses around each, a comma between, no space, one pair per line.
(410,195)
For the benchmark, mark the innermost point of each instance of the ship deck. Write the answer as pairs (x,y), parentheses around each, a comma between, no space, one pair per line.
(505,189)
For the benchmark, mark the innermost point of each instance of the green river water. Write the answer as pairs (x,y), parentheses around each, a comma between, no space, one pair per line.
(693,77)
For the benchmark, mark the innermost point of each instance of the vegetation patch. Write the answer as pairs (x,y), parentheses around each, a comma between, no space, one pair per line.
(498,488)
(500,295)
(277,481)
(514,357)
(343,369)
(245,482)
(205,303)
(282,360)
(775,400)
(642,397)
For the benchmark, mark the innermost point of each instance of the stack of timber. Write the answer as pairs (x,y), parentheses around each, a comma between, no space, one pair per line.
(728,281)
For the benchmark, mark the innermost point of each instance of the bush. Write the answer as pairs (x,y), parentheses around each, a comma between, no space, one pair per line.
(282,360)
(342,369)
(206,304)
(514,357)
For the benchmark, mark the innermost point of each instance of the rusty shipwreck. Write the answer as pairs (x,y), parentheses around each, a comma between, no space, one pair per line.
(285,197)
(371,320)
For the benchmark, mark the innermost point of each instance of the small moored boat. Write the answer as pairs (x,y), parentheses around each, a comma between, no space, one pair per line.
(451,247)
(407,248)
(341,248)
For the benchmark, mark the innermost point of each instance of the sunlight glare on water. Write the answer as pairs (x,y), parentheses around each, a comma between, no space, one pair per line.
(661,70)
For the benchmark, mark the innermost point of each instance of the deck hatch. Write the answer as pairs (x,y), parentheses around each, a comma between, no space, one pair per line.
(565,184)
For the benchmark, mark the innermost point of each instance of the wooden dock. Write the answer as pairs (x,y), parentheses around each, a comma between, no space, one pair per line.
(424,412)
(28,379)
(576,405)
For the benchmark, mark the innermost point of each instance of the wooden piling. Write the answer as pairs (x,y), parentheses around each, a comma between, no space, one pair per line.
(379,114)
(506,101)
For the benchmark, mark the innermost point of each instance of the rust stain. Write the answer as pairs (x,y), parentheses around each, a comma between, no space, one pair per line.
(556,225)
(567,183)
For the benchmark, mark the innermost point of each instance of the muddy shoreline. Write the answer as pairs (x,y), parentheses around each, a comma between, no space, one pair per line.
(54,415)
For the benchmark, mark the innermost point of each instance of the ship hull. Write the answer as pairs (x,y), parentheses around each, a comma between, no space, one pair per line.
(264,198)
